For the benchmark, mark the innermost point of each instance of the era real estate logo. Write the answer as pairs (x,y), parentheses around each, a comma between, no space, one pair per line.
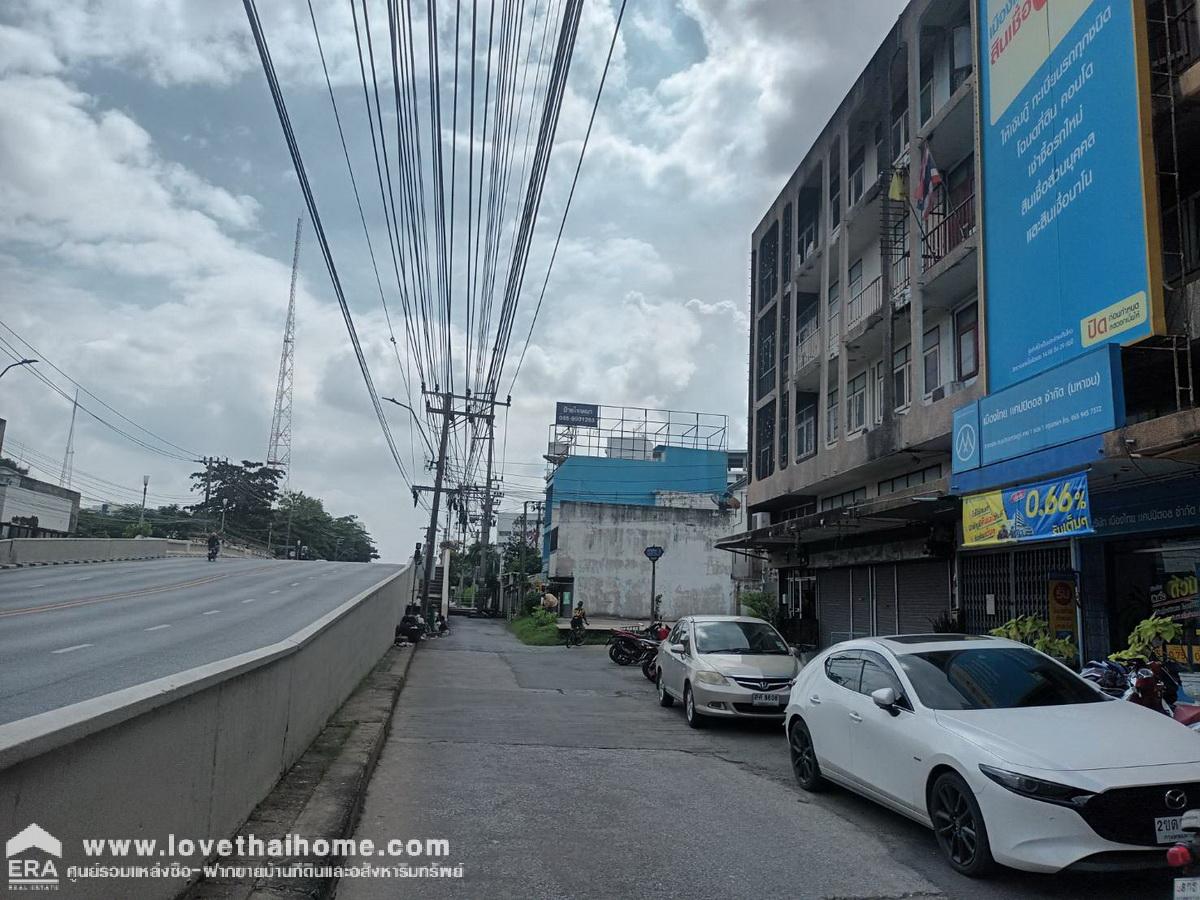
(29,860)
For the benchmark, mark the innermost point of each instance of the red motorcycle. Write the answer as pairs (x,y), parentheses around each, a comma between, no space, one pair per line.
(1153,685)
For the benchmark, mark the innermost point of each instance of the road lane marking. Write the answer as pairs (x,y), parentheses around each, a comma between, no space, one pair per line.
(157,627)
(211,612)
(84,578)
(87,601)
(274,592)
(251,600)
(72,649)
(294,584)
(37,585)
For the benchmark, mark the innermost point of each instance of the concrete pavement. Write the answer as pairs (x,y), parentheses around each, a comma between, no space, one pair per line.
(554,773)
(70,633)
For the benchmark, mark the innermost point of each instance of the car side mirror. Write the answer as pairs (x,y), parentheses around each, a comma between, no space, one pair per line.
(796,652)
(681,649)
(885,698)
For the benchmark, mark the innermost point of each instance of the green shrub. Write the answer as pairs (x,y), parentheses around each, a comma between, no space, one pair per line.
(1146,636)
(1035,632)
(759,604)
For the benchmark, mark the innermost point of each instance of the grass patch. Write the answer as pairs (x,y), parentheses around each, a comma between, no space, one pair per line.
(537,632)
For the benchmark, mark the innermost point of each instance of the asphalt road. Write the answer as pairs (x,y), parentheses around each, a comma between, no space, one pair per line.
(70,633)
(554,773)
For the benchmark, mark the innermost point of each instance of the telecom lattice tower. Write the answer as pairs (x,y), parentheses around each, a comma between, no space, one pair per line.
(279,449)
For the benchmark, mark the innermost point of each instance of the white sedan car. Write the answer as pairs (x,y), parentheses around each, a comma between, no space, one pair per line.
(1007,755)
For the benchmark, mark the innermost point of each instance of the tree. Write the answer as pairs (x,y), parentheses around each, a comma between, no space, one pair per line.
(521,547)
(326,537)
(242,494)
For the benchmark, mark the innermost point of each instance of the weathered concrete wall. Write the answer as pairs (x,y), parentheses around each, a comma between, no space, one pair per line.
(601,545)
(191,754)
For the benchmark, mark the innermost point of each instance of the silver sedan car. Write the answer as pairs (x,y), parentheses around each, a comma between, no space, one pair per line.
(725,666)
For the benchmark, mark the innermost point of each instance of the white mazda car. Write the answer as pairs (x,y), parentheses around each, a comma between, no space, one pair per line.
(1006,754)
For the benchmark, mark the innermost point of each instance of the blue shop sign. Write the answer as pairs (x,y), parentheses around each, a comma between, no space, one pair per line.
(1077,399)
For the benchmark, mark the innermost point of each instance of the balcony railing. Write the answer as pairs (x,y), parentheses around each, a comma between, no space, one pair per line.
(865,302)
(953,228)
(835,328)
(808,347)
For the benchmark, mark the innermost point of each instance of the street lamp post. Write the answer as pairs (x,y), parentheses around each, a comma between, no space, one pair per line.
(416,421)
(654,554)
(19,362)
(145,485)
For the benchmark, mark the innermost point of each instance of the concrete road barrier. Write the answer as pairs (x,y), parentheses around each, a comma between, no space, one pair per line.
(191,754)
(53,551)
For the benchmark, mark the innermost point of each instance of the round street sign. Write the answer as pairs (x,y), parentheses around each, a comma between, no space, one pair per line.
(653,553)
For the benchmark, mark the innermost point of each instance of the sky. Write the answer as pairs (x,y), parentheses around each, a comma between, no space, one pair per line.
(148,208)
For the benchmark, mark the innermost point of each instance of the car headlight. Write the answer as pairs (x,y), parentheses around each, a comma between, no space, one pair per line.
(1037,789)
(707,677)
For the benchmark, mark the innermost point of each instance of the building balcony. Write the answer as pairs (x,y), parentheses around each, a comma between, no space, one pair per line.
(953,228)
(865,302)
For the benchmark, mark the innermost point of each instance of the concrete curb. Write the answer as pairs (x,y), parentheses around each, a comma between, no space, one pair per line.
(321,796)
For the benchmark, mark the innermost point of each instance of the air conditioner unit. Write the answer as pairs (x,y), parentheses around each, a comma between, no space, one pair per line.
(938,394)
(954,387)
(760,520)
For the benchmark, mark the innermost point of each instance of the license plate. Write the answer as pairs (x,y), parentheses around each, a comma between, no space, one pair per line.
(1187,888)
(769,700)
(1167,830)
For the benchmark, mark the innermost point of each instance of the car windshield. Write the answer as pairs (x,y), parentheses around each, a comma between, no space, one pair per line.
(738,637)
(993,678)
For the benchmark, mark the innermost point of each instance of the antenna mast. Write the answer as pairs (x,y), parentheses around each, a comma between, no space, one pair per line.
(279,449)
(68,466)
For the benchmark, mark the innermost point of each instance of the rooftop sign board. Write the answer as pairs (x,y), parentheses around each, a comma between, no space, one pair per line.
(580,415)
(1070,208)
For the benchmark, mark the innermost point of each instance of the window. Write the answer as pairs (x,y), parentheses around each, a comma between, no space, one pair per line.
(855,273)
(739,637)
(844,669)
(856,403)
(900,129)
(994,678)
(806,239)
(835,195)
(553,539)
(835,315)
(764,441)
(877,400)
(926,102)
(932,349)
(849,498)
(831,416)
(966,341)
(768,266)
(783,430)
(855,179)
(902,375)
(877,673)
(787,243)
(785,338)
(910,479)
(766,354)
(806,428)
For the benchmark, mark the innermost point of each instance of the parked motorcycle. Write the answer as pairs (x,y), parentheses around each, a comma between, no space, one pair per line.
(1149,683)
(629,646)
(212,553)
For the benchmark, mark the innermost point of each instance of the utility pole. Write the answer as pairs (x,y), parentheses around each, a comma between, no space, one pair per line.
(145,487)
(448,413)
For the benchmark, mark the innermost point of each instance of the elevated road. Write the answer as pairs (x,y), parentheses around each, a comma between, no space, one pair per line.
(70,633)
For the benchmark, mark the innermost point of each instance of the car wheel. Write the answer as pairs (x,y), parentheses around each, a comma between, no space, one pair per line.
(804,757)
(694,719)
(664,699)
(958,824)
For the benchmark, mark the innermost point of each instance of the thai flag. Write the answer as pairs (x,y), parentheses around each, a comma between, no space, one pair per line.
(928,183)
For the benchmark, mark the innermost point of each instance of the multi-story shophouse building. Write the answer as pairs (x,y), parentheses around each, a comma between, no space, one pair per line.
(873,284)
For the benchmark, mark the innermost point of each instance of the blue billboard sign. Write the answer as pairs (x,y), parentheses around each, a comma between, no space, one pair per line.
(1072,256)
(1071,401)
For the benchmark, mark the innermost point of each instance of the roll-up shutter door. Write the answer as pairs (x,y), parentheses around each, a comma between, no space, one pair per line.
(923,594)
(885,600)
(860,599)
(833,605)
